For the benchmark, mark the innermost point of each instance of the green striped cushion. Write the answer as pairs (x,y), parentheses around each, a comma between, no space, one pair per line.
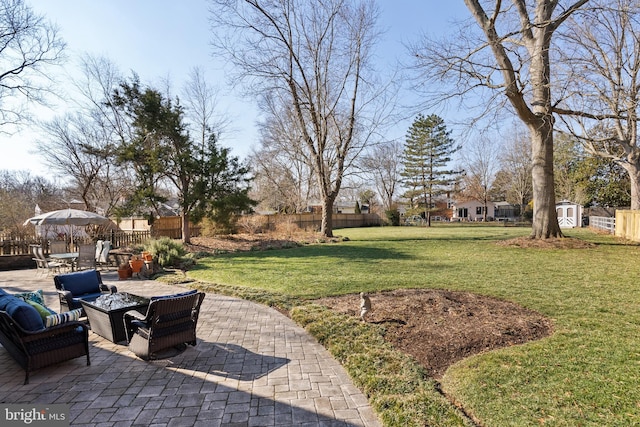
(58,319)
(42,310)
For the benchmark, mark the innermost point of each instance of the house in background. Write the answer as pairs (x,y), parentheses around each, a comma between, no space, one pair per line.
(440,211)
(472,210)
(505,211)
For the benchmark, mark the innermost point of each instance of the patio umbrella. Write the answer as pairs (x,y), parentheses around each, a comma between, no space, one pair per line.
(68,217)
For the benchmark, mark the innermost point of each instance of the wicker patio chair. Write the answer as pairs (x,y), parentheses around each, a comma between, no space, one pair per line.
(81,285)
(170,322)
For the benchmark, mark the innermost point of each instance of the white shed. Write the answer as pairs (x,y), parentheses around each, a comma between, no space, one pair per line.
(569,214)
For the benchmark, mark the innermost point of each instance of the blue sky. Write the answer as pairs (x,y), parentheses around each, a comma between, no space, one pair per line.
(160,39)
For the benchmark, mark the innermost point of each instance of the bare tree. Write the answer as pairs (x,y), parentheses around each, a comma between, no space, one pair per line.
(20,193)
(480,164)
(28,45)
(76,150)
(314,55)
(283,169)
(510,62)
(515,175)
(201,107)
(602,91)
(80,146)
(383,163)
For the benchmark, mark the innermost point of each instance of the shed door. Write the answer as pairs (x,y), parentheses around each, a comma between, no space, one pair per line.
(566,216)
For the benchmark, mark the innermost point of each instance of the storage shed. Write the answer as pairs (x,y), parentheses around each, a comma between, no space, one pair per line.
(569,214)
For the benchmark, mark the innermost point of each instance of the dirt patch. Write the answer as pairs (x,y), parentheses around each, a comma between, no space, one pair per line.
(250,242)
(439,327)
(552,243)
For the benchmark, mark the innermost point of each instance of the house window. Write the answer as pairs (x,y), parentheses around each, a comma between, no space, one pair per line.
(479,210)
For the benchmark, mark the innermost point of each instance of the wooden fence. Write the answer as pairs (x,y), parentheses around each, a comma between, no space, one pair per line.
(311,221)
(171,226)
(12,245)
(628,224)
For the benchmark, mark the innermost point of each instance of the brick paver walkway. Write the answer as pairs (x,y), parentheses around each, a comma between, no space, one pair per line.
(252,367)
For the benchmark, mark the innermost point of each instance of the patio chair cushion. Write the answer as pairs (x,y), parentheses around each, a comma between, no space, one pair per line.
(59,319)
(182,294)
(22,313)
(80,283)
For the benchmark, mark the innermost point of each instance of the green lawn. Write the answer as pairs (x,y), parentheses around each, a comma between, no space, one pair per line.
(587,373)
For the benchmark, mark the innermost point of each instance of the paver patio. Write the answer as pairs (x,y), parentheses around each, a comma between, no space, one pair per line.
(252,366)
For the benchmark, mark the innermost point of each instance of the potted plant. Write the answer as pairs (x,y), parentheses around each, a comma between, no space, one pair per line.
(124,271)
(136,264)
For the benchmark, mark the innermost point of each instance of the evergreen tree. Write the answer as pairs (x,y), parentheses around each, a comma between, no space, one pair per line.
(209,181)
(427,154)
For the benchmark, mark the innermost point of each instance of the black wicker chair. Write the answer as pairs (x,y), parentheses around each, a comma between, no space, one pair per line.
(170,322)
(80,285)
(34,350)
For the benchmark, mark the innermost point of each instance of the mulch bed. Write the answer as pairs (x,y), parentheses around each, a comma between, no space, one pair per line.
(436,327)
(440,327)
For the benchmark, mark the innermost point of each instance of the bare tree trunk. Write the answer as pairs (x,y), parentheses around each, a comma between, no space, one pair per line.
(186,231)
(545,224)
(633,169)
(545,220)
(326,227)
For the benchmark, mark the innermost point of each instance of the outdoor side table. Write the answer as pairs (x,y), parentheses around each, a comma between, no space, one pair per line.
(109,323)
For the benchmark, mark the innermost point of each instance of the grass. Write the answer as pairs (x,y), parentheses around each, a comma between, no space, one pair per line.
(585,374)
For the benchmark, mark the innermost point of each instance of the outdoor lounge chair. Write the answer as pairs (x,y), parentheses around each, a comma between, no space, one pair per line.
(170,322)
(59,247)
(86,256)
(103,258)
(43,265)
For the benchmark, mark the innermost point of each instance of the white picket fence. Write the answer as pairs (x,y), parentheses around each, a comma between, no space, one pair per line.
(604,223)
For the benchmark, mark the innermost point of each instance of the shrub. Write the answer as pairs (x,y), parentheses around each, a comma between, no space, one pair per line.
(210,228)
(168,252)
(252,224)
(393,216)
(287,226)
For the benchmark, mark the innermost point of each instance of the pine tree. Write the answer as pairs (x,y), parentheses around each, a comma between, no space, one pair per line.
(427,154)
